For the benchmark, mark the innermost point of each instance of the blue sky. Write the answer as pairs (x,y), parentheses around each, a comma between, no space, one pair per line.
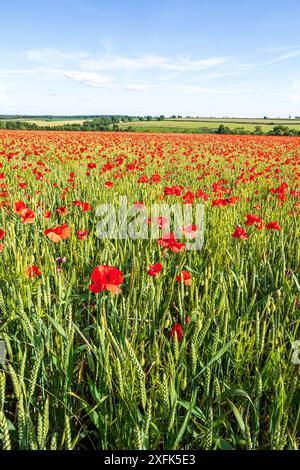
(189,57)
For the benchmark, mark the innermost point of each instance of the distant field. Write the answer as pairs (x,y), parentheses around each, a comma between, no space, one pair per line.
(209,124)
(200,125)
(50,122)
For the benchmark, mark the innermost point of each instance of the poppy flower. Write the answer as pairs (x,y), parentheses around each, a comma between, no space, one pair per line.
(273,225)
(154,269)
(27,216)
(168,240)
(47,215)
(185,276)
(62,210)
(156,178)
(177,328)
(2,234)
(81,234)
(106,278)
(190,231)
(260,225)
(139,205)
(18,206)
(143,179)
(252,219)
(91,165)
(58,233)
(1,247)
(85,206)
(33,271)
(240,233)
(161,222)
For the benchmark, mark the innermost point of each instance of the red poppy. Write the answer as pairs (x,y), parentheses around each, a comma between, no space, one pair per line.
(168,240)
(27,216)
(81,234)
(177,328)
(2,234)
(154,269)
(47,215)
(273,225)
(260,225)
(33,271)
(18,207)
(85,206)
(1,247)
(190,231)
(106,278)
(58,233)
(91,165)
(185,276)
(156,178)
(240,233)
(252,219)
(143,179)
(62,210)
(161,222)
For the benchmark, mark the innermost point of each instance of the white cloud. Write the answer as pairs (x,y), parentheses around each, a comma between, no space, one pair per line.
(196,90)
(89,78)
(93,79)
(276,60)
(177,64)
(137,87)
(109,61)
(50,56)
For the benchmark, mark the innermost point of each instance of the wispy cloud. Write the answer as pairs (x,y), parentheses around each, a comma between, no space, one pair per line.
(177,64)
(89,78)
(196,90)
(55,56)
(278,48)
(276,60)
(109,61)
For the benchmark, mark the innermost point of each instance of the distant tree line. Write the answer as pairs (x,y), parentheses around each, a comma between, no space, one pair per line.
(277,130)
(110,123)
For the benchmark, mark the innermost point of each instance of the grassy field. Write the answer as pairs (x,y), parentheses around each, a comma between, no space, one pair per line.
(53,122)
(179,125)
(124,343)
(184,124)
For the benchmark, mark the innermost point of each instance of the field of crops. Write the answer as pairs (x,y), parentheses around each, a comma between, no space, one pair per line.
(142,344)
(209,124)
